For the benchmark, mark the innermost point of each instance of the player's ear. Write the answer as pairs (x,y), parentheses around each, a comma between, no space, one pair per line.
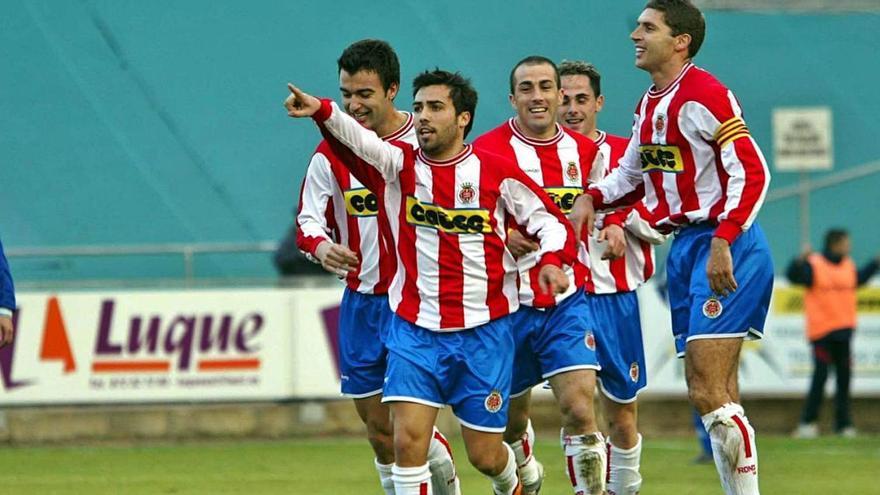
(512,101)
(682,42)
(464,118)
(600,102)
(392,91)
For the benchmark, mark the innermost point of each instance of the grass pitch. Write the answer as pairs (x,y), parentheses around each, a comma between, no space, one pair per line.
(344,466)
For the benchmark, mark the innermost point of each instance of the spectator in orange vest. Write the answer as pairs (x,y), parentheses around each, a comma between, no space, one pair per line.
(831,280)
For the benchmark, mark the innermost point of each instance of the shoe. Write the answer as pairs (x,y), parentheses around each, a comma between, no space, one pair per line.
(806,431)
(533,486)
(848,432)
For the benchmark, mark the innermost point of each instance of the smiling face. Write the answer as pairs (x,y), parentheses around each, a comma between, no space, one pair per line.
(579,104)
(364,98)
(655,45)
(439,130)
(536,98)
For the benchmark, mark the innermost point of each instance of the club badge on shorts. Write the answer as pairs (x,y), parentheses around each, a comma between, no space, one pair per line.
(634,372)
(493,402)
(712,308)
(590,341)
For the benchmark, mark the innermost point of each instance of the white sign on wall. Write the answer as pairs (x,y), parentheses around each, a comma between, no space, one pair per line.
(803,138)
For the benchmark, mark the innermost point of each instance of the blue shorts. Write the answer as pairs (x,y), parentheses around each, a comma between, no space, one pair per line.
(552,341)
(619,344)
(469,370)
(698,313)
(363,325)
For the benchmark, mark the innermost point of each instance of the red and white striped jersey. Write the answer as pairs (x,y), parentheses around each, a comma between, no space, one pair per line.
(335,206)
(561,165)
(448,222)
(636,266)
(692,158)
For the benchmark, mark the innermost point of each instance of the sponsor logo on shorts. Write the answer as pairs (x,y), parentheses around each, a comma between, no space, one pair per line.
(493,402)
(467,193)
(361,203)
(664,158)
(572,171)
(564,196)
(448,220)
(634,372)
(712,308)
(590,341)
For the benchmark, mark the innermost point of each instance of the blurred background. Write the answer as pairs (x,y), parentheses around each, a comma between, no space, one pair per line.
(149,171)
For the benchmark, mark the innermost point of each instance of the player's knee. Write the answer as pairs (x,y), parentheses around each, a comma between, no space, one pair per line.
(577,413)
(485,461)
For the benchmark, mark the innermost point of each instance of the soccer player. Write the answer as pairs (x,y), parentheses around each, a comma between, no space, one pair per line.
(554,336)
(448,205)
(620,260)
(702,176)
(334,203)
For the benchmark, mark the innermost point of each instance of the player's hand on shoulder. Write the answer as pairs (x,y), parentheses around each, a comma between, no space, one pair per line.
(336,258)
(520,245)
(613,234)
(719,268)
(552,280)
(300,104)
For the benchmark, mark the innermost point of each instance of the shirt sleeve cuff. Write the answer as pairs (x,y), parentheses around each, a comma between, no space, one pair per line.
(617,218)
(551,259)
(728,231)
(597,196)
(325,111)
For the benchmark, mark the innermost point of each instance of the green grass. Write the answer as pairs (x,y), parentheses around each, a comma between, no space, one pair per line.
(344,466)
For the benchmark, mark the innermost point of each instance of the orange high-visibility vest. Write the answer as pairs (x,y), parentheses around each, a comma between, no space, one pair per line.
(831,301)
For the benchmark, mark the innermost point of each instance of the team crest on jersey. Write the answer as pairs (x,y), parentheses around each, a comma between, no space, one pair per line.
(660,123)
(590,341)
(634,372)
(572,171)
(712,308)
(493,402)
(467,193)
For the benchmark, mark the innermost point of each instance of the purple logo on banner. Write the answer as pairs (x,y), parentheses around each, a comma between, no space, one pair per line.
(331,329)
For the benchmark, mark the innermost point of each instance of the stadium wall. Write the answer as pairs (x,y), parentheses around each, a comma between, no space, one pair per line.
(148,122)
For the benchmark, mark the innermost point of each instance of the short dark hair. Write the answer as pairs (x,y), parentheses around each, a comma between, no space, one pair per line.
(581,68)
(683,17)
(462,93)
(833,236)
(374,56)
(534,60)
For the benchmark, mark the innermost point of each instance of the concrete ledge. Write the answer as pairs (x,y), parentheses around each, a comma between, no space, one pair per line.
(70,424)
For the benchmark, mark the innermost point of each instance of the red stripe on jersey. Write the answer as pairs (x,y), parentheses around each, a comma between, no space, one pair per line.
(618,271)
(408,309)
(494,251)
(451,290)
(745,434)
(551,171)
(648,253)
(684,180)
(756,179)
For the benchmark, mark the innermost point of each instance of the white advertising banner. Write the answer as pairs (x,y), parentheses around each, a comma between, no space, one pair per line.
(160,346)
(781,363)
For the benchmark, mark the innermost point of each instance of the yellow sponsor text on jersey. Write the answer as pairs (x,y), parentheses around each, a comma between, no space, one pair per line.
(361,203)
(662,157)
(564,196)
(448,220)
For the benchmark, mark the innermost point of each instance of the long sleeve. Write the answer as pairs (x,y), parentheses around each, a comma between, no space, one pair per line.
(800,272)
(366,155)
(535,212)
(7,288)
(868,271)
(625,184)
(315,195)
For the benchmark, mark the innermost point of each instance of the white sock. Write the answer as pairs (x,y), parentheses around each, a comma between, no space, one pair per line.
(444,479)
(506,481)
(734,449)
(530,470)
(623,472)
(586,460)
(385,476)
(412,480)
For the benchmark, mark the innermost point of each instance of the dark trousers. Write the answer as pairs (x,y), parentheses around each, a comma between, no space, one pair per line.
(831,350)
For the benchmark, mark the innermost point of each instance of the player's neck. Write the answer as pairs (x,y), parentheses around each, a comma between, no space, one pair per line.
(446,153)
(664,75)
(391,125)
(592,133)
(529,133)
